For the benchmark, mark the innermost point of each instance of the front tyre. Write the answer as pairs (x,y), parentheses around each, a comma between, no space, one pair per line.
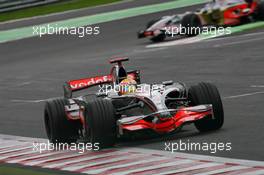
(58,128)
(191,24)
(260,11)
(206,93)
(100,122)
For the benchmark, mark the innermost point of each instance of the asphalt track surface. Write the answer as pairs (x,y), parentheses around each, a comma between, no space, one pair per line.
(35,69)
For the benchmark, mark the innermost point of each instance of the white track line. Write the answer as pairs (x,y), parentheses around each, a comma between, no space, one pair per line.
(19,160)
(201,157)
(244,95)
(181,170)
(205,165)
(257,86)
(253,34)
(15,154)
(33,101)
(68,162)
(238,42)
(235,37)
(16,149)
(176,42)
(21,138)
(224,170)
(102,170)
(257,172)
(34,162)
(196,39)
(78,167)
(7,145)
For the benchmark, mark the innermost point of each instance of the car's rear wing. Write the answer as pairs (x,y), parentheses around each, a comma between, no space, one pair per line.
(80,84)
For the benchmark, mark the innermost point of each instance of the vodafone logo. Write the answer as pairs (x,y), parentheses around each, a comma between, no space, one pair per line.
(82,83)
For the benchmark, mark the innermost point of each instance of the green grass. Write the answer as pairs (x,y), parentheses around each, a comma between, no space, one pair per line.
(52,8)
(10,169)
(21,171)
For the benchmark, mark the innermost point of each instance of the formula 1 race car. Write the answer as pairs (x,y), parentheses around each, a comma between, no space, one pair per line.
(129,107)
(216,13)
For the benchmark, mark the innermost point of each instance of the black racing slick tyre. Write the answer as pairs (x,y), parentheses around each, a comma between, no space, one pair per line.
(159,38)
(101,127)
(206,93)
(260,11)
(191,24)
(58,128)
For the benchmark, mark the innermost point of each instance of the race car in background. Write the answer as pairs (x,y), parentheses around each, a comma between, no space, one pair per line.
(105,116)
(217,13)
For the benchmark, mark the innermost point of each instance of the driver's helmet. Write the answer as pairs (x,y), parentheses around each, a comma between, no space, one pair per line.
(127,86)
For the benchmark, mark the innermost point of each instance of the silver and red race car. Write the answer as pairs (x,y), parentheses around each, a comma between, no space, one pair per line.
(216,13)
(123,107)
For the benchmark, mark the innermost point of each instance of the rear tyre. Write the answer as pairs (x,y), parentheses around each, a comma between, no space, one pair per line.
(58,128)
(100,122)
(260,11)
(191,23)
(159,38)
(206,93)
